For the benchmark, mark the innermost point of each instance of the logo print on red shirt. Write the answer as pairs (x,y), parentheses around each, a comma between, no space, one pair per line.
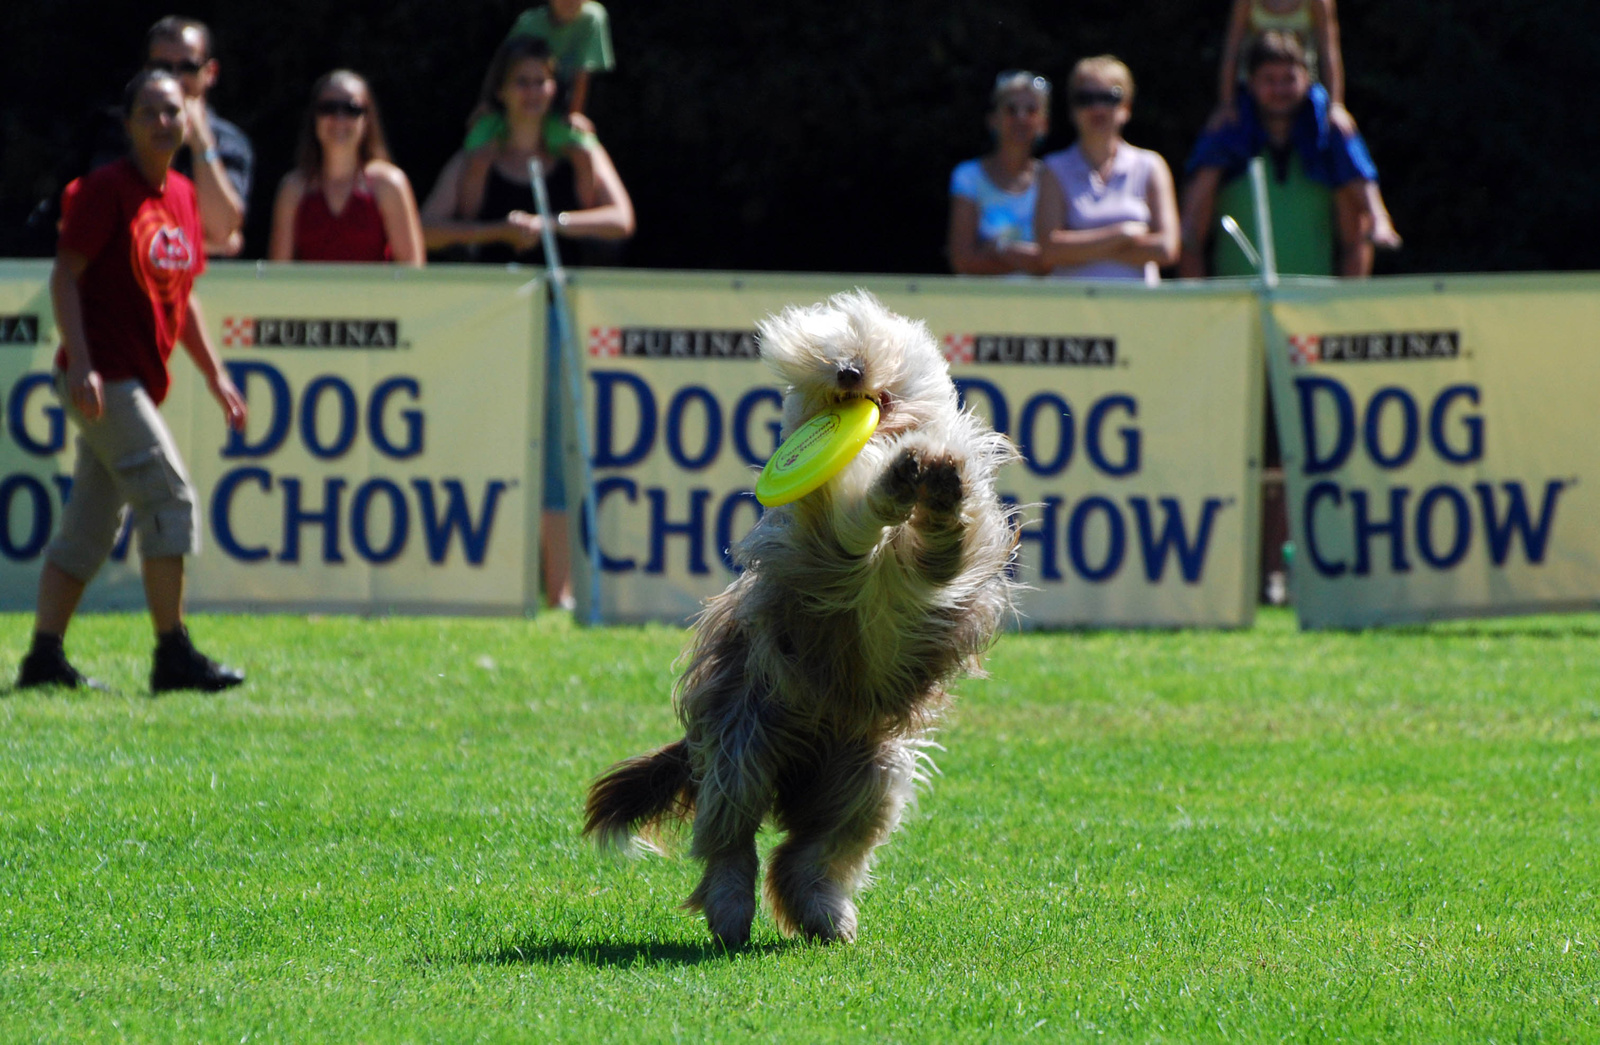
(164,260)
(170,249)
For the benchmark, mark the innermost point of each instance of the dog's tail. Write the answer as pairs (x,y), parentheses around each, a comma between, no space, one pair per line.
(640,793)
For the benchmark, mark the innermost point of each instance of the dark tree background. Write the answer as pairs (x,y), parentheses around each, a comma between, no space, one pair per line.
(820,136)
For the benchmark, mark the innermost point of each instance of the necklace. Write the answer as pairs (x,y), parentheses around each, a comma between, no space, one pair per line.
(1100,171)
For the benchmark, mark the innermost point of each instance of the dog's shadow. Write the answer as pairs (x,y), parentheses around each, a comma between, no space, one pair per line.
(542,949)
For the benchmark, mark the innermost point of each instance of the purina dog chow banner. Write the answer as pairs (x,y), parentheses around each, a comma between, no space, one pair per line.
(1440,437)
(1137,416)
(392,439)
(1442,446)
(36,446)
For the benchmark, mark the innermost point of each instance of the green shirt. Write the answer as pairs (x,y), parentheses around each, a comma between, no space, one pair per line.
(1302,223)
(582,45)
(559,135)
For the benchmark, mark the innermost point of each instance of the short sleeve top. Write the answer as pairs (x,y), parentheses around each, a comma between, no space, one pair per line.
(238,156)
(145,250)
(583,44)
(1002,216)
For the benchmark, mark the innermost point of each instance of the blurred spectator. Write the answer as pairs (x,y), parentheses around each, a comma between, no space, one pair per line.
(181,47)
(992,198)
(345,201)
(123,292)
(1317,27)
(1323,182)
(484,201)
(578,33)
(490,206)
(1315,24)
(1107,209)
(216,155)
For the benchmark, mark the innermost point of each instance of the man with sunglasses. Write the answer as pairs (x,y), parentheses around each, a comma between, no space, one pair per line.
(216,156)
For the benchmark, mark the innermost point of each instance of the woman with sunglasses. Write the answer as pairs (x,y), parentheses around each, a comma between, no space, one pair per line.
(345,201)
(1107,209)
(992,198)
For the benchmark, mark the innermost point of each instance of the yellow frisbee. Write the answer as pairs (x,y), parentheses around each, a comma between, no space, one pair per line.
(816,452)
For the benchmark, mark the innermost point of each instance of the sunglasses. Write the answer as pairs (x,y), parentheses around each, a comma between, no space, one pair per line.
(1088,99)
(334,107)
(1013,79)
(183,68)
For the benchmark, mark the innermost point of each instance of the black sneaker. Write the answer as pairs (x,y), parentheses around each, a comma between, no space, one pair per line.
(178,665)
(48,666)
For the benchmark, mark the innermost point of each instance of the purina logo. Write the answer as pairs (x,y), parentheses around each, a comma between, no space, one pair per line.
(1032,349)
(658,343)
(20,329)
(262,332)
(1384,347)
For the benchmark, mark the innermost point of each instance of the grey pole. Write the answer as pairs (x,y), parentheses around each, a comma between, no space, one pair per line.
(571,367)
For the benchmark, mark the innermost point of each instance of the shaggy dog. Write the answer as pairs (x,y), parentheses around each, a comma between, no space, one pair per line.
(813,680)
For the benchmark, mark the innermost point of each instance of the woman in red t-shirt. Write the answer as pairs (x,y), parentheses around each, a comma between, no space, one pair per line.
(122,286)
(345,201)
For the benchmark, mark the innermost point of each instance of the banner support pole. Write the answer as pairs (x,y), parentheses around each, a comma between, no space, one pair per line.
(1258,196)
(1266,294)
(571,367)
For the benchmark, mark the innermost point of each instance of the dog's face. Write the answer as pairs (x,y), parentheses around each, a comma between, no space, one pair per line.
(851,347)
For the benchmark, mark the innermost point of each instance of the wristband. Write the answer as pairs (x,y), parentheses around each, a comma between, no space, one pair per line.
(210,155)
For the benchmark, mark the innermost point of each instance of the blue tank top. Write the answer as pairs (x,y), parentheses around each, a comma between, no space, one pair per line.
(1002,216)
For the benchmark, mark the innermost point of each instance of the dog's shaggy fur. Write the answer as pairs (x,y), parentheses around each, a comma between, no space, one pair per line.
(813,680)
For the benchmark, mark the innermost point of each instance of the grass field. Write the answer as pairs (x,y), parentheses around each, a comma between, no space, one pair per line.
(1259,836)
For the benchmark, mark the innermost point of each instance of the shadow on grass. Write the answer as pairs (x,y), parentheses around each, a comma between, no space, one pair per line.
(546,950)
(90,691)
(1453,630)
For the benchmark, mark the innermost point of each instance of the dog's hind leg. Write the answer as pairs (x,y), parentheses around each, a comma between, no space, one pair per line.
(836,815)
(735,792)
(727,889)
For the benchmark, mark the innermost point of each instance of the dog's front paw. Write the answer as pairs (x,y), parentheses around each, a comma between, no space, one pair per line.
(896,492)
(941,485)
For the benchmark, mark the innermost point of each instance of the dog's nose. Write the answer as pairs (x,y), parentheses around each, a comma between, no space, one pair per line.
(849,377)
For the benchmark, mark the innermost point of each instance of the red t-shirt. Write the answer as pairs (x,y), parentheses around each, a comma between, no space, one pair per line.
(145,249)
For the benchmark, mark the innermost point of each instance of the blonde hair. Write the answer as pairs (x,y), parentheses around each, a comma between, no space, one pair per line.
(1019,80)
(1106,67)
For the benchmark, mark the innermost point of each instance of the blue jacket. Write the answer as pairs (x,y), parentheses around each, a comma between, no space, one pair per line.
(1328,155)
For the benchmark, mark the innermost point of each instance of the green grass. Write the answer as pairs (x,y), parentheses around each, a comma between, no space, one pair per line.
(1261,835)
